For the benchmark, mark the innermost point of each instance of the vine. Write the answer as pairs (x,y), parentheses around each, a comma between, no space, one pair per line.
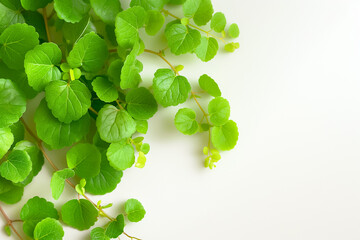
(86,64)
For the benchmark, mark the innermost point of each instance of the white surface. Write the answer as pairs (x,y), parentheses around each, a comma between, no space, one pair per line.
(294,89)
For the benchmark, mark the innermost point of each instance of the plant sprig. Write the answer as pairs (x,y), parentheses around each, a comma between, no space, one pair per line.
(84,57)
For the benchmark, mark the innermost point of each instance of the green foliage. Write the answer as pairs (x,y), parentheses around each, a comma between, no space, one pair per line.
(169,89)
(79,214)
(40,65)
(207,49)
(74,31)
(15,41)
(16,167)
(48,229)
(105,89)
(219,110)
(34,5)
(182,39)
(154,22)
(57,183)
(149,4)
(141,104)
(106,9)
(134,210)
(18,130)
(116,228)
(10,193)
(8,17)
(200,10)
(84,159)
(98,234)
(185,121)
(34,211)
(6,140)
(225,137)
(71,10)
(142,126)
(218,22)
(130,72)
(234,31)
(90,53)
(209,85)
(121,155)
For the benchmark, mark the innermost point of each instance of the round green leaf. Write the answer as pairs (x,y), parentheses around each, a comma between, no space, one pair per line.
(71,10)
(190,7)
(218,22)
(169,89)
(149,4)
(130,77)
(141,104)
(40,65)
(106,9)
(134,210)
(98,234)
(34,211)
(68,101)
(34,5)
(219,111)
(58,134)
(115,124)
(17,166)
(6,140)
(36,20)
(114,71)
(127,24)
(185,121)
(106,181)
(142,126)
(90,53)
(12,103)
(207,49)
(12,4)
(204,13)
(209,85)
(85,159)
(15,42)
(74,31)
(182,39)
(234,31)
(18,131)
(8,17)
(57,183)
(48,229)
(79,214)
(154,22)
(105,89)
(176,2)
(121,155)
(116,228)
(225,137)
(9,193)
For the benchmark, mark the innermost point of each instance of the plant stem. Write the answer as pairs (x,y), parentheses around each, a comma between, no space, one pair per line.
(46,24)
(10,222)
(93,110)
(193,26)
(163,58)
(42,149)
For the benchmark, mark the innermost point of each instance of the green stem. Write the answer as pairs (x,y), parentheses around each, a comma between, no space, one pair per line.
(163,58)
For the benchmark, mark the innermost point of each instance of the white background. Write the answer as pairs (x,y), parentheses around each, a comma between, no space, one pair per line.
(294,89)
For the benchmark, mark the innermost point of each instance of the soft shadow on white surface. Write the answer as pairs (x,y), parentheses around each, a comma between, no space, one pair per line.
(294,89)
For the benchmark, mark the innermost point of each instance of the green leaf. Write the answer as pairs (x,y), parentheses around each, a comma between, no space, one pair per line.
(182,39)
(204,13)
(79,214)
(207,49)
(105,89)
(121,155)
(98,234)
(219,111)
(90,53)
(36,20)
(106,9)
(142,126)
(18,131)
(68,101)
(8,17)
(85,159)
(154,22)
(34,211)
(209,85)
(48,229)
(234,31)
(6,140)
(9,193)
(15,41)
(74,31)
(57,183)
(12,103)
(115,125)
(71,10)
(58,134)
(170,90)
(36,157)
(231,47)
(225,137)
(34,5)
(134,210)
(116,228)
(130,72)
(190,7)
(12,4)
(176,2)
(17,166)
(127,24)
(218,22)
(185,121)
(141,104)
(114,71)
(7,230)
(149,4)
(106,181)
(19,78)
(145,148)
(40,65)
